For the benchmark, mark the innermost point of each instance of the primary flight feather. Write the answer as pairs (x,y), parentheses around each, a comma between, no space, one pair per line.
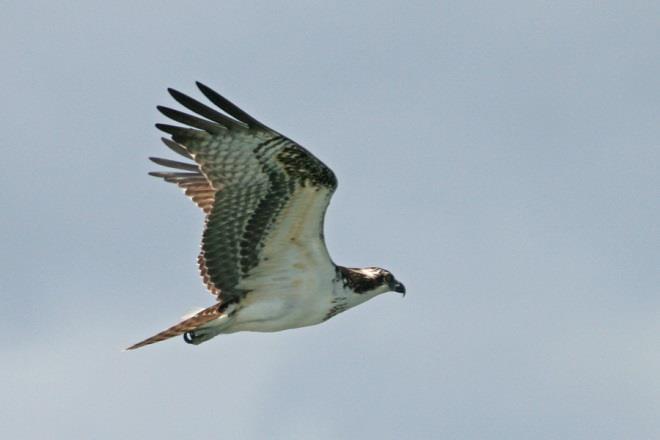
(263,252)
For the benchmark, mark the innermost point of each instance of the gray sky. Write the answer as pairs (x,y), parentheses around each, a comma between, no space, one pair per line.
(501,158)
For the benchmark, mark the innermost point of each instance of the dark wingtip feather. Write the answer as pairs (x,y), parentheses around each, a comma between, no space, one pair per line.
(164,110)
(182,135)
(170,129)
(203,110)
(193,121)
(227,105)
(174,177)
(175,164)
(179,149)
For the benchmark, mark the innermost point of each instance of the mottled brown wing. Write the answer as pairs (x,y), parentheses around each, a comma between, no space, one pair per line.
(191,180)
(253,175)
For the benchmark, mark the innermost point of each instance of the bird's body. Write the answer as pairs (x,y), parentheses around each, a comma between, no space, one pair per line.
(263,252)
(299,302)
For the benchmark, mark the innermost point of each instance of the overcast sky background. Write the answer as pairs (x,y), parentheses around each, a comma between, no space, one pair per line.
(501,158)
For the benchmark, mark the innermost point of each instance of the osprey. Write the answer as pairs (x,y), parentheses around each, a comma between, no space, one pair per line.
(263,252)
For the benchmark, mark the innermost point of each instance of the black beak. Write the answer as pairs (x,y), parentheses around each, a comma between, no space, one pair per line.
(399,288)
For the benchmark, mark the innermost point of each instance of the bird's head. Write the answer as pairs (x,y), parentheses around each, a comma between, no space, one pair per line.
(389,282)
(372,281)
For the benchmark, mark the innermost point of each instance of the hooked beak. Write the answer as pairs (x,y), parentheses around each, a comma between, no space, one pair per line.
(399,288)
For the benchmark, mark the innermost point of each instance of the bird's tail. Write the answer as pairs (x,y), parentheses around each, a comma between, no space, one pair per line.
(186,325)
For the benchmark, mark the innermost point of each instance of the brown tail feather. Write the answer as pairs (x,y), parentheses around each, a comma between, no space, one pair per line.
(206,315)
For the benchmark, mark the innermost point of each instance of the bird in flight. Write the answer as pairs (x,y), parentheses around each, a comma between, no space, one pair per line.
(263,253)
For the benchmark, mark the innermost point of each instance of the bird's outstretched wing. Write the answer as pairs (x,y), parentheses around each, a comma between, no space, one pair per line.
(265,196)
